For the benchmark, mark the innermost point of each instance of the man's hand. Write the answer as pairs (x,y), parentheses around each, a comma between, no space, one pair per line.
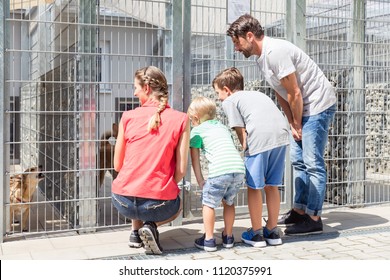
(296,131)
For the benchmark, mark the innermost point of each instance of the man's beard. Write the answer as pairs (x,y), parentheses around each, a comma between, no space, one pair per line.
(247,52)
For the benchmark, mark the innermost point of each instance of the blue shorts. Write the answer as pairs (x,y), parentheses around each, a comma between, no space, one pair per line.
(222,187)
(145,209)
(266,168)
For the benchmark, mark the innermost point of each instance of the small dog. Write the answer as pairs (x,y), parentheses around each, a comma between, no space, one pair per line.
(106,153)
(22,189)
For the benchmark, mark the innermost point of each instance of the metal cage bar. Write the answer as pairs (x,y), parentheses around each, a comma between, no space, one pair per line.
(66,76)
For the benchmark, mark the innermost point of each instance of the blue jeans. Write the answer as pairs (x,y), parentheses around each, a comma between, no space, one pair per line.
(224,187)
(145,209)
(307,158)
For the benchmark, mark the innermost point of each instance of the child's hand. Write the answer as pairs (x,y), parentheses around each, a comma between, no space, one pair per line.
(201,184)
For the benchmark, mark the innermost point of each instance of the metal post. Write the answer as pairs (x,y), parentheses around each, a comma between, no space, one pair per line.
(233,11)
(4,119)
(356,107)
(178,99)
(174,47)
(296,22)
(186,54)
(86,119)
(295,33)
(187,93)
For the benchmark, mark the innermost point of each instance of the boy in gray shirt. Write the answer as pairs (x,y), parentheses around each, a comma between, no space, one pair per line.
(264,135)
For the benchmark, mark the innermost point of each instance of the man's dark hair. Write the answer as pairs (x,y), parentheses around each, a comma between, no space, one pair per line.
(244,24)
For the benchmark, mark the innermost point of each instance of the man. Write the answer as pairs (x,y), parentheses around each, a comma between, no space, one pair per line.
(308,101)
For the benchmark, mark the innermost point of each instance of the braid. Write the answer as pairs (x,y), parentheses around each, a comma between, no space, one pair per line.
(155,120)
(157,82)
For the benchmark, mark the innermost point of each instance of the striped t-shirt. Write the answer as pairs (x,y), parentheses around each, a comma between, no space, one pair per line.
(215,140)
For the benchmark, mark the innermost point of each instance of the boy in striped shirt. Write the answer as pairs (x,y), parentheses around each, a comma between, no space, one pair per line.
(226,170)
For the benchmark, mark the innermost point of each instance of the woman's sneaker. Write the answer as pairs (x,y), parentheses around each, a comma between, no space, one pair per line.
(254,238)
(227,241)
(150,238)
(290,218)
(207,245)
(272,236)
(135,240)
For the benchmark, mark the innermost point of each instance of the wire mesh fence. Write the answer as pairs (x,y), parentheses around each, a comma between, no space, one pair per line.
(67,74)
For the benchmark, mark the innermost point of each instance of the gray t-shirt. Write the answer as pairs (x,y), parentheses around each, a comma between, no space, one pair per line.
(280,58)
(265,124)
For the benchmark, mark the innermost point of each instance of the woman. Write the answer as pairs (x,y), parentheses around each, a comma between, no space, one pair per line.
(151,156)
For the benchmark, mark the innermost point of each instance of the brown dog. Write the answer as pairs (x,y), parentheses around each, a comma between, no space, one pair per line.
(22,189)
(106,153)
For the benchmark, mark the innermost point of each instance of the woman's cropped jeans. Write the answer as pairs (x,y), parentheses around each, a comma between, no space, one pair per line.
(307,158)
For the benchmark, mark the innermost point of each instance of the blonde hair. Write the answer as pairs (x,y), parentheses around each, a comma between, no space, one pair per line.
(204,107)
(158,84)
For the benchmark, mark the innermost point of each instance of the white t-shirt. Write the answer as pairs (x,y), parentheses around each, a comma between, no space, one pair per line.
(280,58)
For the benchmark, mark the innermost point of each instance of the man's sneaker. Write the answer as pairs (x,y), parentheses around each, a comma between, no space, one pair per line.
(272,236)
(307,226)
(150,238)
(290,218)
(207,245)
(255,239)
(227,241)
(134,240)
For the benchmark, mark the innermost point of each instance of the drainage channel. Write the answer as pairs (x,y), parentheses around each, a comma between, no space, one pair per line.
(238,245)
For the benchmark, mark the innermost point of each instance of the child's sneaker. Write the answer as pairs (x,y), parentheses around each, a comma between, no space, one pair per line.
(254,238)
(135,240)
(272,236)
(207,245)
(227,241)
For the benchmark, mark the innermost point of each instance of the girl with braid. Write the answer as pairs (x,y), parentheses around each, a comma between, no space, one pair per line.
(151,156)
